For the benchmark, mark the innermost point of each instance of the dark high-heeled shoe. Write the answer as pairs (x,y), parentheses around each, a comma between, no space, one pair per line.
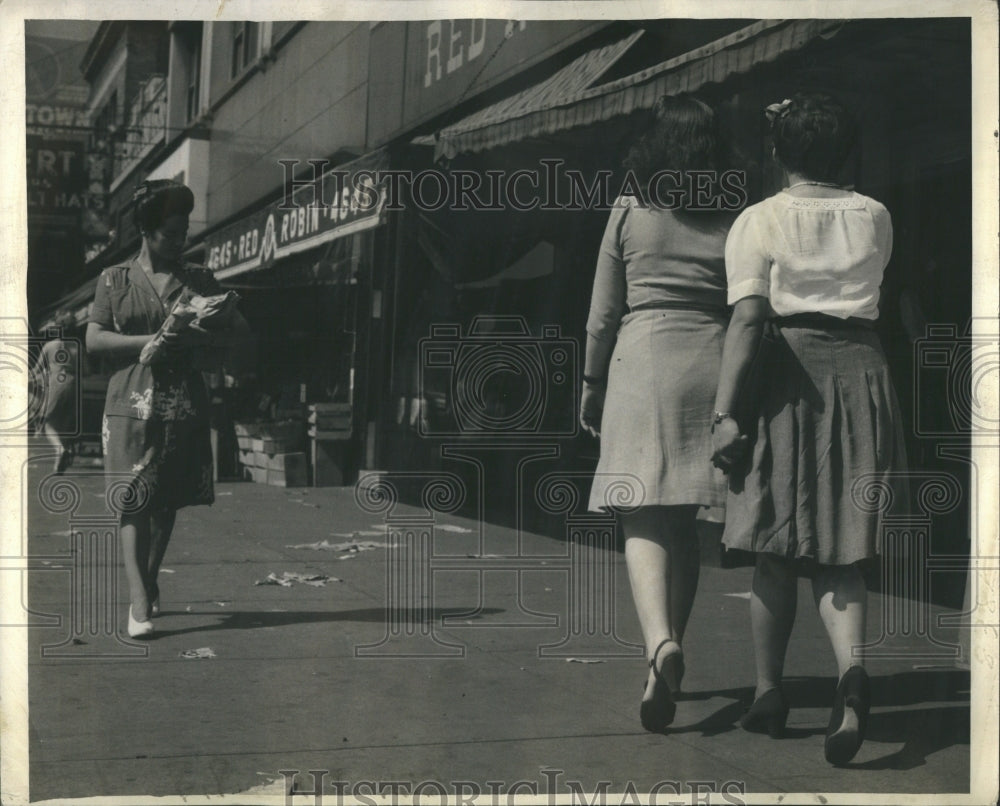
(849,717)
(767,714)
(658,711)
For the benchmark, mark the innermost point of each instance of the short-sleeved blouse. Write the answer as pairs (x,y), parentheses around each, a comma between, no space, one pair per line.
(650,255)
(811,255)
(125,302)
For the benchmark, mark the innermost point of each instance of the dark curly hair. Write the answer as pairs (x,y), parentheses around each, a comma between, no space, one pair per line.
(813,135)
(685,135)
(155,200)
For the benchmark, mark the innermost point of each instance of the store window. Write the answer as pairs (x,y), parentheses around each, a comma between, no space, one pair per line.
(246,46)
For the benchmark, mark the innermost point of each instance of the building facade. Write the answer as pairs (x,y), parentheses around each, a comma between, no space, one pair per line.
(437,327)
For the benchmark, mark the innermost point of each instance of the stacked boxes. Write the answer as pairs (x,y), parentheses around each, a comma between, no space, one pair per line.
(271,453)
(330,430)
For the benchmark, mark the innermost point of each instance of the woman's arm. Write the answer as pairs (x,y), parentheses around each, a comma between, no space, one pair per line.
(742,340)
(109,344)
(595,368)
(607,306)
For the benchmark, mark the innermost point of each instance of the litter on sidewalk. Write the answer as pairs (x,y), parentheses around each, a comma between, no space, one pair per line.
(583,660)
(202,652)
(352,546)
(288,577)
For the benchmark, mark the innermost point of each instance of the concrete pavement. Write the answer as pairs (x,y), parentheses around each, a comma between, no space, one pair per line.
(286,689)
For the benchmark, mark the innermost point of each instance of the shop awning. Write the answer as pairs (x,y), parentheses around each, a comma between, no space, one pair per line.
(559,103)
(571,80)
(350,201)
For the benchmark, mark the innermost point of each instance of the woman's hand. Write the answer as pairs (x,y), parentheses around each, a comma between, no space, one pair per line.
(191,336)
(728,444)
(591,409)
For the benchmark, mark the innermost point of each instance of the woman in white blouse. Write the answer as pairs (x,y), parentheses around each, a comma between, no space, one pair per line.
(805,453)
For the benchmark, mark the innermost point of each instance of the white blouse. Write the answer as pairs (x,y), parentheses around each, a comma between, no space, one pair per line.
(811,255)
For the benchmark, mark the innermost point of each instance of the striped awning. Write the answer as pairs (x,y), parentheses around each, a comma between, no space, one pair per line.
(558,103)
(571,80)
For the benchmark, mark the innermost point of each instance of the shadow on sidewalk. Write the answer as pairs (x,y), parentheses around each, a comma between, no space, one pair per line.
(258,620)
(922,731)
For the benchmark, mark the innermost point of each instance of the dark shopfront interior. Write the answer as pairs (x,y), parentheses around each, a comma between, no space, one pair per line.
(909,83)
(310,336)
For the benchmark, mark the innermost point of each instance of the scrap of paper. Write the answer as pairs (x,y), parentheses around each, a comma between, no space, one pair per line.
(287,578)
(350,546)
(202,652)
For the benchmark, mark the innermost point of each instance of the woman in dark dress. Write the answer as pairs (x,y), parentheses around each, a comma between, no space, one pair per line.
(155,431)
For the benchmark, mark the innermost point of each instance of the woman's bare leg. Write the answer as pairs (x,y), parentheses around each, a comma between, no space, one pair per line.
(161,528)
(135,531)
(773,600)
(663,562)
(841,599)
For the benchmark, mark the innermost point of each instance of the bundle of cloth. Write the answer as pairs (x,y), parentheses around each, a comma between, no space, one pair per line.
(214,314)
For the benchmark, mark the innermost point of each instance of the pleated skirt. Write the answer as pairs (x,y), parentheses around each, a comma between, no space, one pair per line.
(656,428)
(828,458)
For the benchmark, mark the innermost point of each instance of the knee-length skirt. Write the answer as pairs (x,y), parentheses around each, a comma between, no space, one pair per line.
(828,456)
(656,428)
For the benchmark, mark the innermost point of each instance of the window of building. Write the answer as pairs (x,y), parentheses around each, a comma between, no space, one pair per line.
(189,46)
(107,118)
(246,46)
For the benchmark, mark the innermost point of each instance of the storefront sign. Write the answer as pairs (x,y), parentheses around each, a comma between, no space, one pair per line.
(350,200)
(448,62)
(57,179)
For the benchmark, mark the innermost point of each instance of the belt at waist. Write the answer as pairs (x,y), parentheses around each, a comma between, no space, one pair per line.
(678,305)
(822,321)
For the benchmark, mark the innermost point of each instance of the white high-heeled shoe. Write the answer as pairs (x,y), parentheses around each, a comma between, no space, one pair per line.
(138,629)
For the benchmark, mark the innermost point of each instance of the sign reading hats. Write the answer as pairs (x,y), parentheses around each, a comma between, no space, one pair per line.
(348,199)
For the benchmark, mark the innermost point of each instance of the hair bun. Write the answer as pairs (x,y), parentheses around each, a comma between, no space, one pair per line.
(156,199)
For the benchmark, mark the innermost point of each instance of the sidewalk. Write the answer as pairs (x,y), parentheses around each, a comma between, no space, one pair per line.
(285,690)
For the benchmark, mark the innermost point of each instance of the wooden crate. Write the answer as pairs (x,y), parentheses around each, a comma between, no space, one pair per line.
(329,461)
(286,461)
(287,470)
(282,444)
(246,429)
(258,475)
(248,458)
(330,416)
(245,442)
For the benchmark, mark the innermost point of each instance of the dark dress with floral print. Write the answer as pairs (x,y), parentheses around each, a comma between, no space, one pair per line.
(155,432)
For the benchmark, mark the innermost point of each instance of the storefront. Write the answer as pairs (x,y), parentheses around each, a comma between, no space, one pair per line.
(909,83)
(307,270)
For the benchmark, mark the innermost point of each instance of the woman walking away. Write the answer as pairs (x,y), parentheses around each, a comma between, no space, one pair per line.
(156,416)
(808,261)
(654,343)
